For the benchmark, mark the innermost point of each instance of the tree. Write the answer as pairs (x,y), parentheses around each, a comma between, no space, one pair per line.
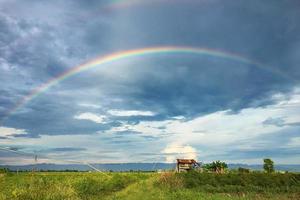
(208,167)
(243,170)
(219,166)
(216,166)
(4,170)
(268,165)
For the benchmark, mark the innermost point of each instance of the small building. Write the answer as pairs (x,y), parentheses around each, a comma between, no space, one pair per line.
(184,165)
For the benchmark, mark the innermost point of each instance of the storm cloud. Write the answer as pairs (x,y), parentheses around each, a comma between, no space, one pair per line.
(151,102)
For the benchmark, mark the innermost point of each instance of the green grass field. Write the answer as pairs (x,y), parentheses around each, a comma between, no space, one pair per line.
(89,186)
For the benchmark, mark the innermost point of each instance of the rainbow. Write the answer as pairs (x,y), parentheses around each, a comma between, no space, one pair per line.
(128,54)
(118,4)
(124,3)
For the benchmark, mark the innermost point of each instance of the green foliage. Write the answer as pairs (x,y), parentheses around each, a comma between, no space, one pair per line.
(243,170)
(216,166)
(268,165)
(65,185)
(240,182)
(4,170)
(170,181)
(87,185)
(151,186)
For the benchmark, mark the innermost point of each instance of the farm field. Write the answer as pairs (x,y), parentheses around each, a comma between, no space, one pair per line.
(142,185)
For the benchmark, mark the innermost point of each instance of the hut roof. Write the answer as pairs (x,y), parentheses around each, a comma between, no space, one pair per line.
(186,161)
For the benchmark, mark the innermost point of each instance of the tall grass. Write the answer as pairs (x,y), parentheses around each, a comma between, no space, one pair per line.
(151,186)
(234,182)
(58,186)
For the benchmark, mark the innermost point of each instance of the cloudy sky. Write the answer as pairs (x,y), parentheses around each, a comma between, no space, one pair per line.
(156,107)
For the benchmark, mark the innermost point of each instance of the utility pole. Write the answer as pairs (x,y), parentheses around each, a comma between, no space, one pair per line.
(35,163)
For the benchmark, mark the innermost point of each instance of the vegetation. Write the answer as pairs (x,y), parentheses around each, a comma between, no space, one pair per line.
(243,170)
(193,185)
(4,170)
(65,185)
(268,165)
(216,166)
(236,182)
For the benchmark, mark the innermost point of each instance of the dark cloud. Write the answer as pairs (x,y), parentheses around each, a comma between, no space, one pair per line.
(40,40)
(174,85)
(275,121)
(294,124)
(30,135)
(66,149)
(149,137)
(263,153)
(275,144)
(128,132)
(280,122)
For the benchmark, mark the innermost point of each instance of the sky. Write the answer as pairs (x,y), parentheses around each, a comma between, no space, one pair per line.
(238,101)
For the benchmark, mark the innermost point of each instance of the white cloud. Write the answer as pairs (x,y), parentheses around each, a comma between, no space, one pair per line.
(4,65)
(174,151)
(179,117)
(223,130)
(18,160)
(123,127)
(294,142)
(8,132)
(91,117)
(129,113)
(204,138)
(97,150)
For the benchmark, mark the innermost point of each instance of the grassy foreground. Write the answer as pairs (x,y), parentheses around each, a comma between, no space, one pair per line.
(89,186)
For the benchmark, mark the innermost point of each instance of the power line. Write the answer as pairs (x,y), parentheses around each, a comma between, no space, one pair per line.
(47,157)
(19,152)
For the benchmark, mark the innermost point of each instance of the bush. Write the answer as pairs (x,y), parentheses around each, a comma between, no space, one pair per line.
(216,166)
(41,187)
(87,185)
(104,185)
(243,170)
(4,170)
(268,165)
(233,182)
(169,180)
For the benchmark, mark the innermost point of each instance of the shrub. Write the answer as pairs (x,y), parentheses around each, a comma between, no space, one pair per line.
(256,182)
(216,166)
(87,185)
(4,170)
(268,165)
(243,170)
(170,180)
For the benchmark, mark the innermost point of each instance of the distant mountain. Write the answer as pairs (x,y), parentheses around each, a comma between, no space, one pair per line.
(132,166)
(281,167)
(102,167)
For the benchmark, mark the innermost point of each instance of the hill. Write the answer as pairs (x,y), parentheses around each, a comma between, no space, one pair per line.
(117,167)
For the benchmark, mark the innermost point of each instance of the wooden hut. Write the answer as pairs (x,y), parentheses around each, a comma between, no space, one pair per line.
(184,165)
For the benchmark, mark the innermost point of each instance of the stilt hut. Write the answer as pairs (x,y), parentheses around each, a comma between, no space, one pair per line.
(184,165)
